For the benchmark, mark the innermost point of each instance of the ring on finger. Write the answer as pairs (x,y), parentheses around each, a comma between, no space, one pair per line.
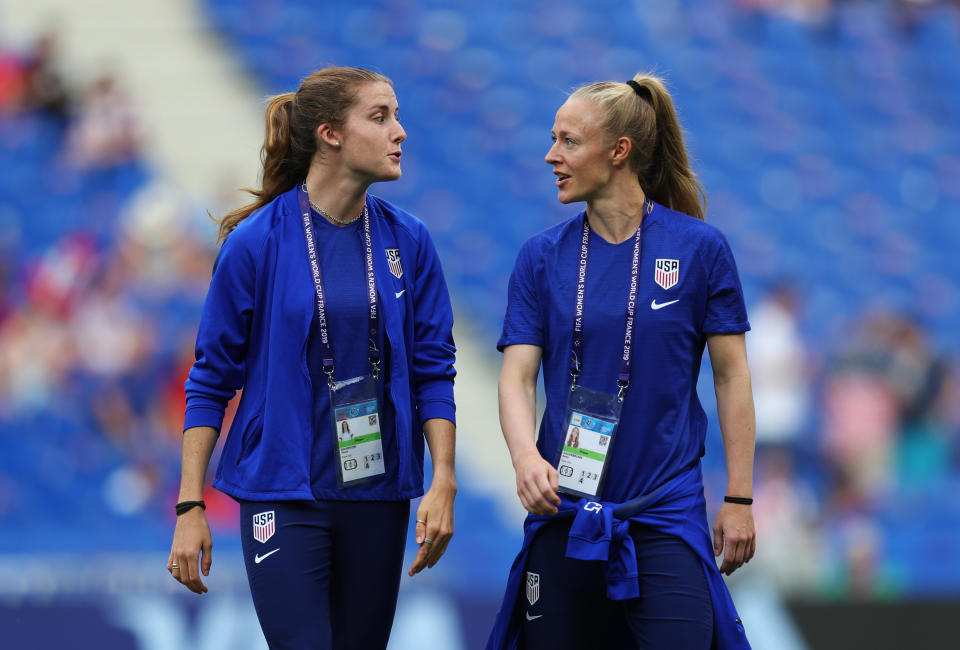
(427,540)
(174,566)
(421,521)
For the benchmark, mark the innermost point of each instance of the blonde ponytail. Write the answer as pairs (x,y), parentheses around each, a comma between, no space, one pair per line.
(642,110)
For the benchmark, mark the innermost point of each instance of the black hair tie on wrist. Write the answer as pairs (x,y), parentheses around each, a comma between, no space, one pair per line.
(744,501)
(186,506)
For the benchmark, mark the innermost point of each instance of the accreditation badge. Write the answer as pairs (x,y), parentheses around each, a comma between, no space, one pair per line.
(591,423)
(355,408)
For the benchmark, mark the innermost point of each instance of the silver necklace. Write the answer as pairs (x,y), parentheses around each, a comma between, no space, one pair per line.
(342,222)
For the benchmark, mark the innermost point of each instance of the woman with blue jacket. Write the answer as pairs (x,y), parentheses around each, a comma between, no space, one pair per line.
(616,305)
(329,309)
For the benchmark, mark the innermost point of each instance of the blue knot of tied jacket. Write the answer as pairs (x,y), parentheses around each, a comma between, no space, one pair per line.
(253,334)
(601,532)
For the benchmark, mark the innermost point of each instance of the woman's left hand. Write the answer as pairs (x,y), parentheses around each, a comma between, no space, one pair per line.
(734,535)
(434,526)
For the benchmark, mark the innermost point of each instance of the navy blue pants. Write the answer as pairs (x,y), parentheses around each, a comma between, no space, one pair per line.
(571,609)
(325,574)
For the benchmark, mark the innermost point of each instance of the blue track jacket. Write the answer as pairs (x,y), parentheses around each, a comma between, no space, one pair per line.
(253,334)
(600,532)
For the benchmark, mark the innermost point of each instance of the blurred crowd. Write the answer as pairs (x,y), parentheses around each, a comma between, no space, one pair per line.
(100,119)
(97,314)
(849,441)
(822,12)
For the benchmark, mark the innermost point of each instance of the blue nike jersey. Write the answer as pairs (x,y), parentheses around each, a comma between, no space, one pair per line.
(688,288)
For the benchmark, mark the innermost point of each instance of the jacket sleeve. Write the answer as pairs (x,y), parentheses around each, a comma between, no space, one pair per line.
(223,335)
(433,349)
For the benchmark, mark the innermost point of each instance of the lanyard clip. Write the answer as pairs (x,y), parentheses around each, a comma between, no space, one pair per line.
(374,353)
(575,367)
(329,373)
(623,388)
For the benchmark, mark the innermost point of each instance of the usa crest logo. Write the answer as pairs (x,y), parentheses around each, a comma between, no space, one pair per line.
(666,272)
(393,261)
(533,587)
(264,525)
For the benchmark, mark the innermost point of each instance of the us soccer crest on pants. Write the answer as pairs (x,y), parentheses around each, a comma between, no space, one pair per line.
(533,587)
(264,526)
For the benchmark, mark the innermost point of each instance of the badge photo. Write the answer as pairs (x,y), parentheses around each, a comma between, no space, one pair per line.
(358,441)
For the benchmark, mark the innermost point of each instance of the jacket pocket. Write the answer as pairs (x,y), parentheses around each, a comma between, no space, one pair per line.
(251,436)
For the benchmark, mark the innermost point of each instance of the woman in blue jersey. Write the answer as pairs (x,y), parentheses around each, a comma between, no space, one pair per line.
(616,306)
(328,308)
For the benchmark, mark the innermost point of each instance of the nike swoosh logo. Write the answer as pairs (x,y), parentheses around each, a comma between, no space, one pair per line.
(654,306)
(400,293)
(260,558)
(532,618)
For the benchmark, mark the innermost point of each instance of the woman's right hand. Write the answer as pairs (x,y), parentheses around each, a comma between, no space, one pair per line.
(191,550)
(537,483)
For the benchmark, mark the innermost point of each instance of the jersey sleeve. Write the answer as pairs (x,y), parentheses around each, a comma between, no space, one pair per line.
(523,322)
(726,312)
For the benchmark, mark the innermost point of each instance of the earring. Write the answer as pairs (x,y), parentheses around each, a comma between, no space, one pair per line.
(337,143)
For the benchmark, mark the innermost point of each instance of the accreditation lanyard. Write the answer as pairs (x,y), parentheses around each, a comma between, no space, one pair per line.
(576,352)
(371,288)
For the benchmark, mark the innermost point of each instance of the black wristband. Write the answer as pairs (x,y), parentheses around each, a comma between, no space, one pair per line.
(744,501)
(186,506)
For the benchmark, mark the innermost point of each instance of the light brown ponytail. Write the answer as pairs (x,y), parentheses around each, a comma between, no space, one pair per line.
(291,133)
(643,111)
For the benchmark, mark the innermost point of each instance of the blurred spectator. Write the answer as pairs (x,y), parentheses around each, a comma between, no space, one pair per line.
(925,389)
(105,133)
(35,353)
(112,336)
(166,243)
(6,306)
(916,376)
(852,561)
(787,516)
(58,281)
(44,89)
(862,411)
(804,11)
(11,80)
(778,367)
